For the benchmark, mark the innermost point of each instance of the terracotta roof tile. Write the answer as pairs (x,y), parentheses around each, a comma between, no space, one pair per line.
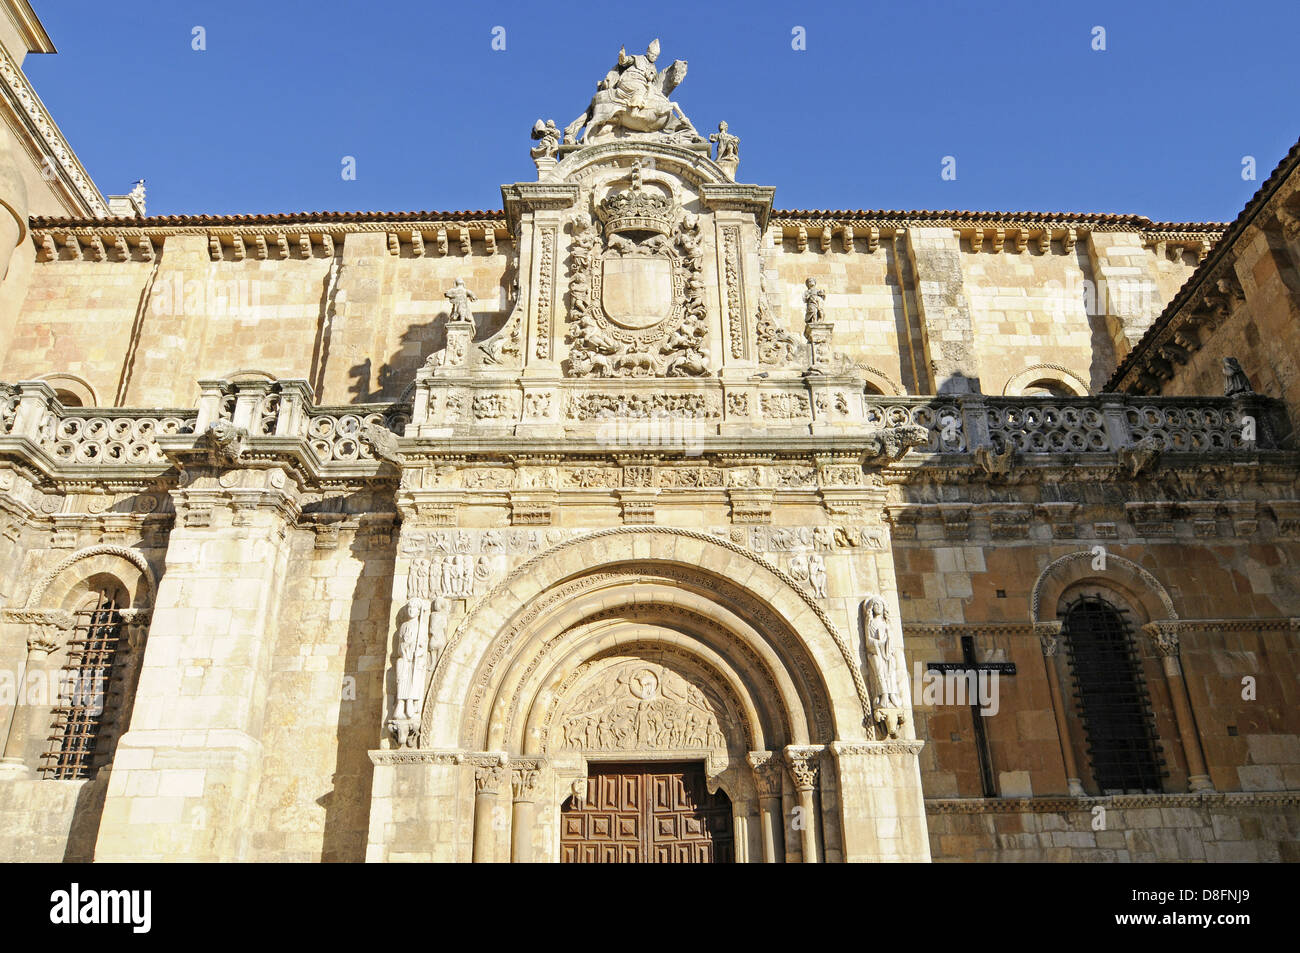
(295,218)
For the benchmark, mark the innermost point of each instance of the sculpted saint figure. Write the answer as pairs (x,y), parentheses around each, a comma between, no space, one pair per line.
(880,654)
(412,659)
(460,297)
(814,302)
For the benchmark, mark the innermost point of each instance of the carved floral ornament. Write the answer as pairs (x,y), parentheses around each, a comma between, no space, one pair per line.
(46,628)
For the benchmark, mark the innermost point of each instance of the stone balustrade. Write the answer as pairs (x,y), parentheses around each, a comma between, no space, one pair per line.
(337,437)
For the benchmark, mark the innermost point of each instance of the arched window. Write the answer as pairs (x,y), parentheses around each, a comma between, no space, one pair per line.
(85,727)
(1112,697)
(1046,387)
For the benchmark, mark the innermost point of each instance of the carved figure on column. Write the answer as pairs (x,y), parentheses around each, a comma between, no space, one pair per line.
(548,136)
(460,297)
(411,668)
(814,302)
(882,663)
(728,145)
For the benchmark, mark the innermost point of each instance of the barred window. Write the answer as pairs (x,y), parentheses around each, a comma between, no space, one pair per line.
(83,734)
(1112,697)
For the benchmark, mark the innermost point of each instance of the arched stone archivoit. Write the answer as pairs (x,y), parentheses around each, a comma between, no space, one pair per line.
(759,620)
(1142,589)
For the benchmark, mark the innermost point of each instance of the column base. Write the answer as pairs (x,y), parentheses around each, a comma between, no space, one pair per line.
(1075,787)
(1199,782)
(14,769)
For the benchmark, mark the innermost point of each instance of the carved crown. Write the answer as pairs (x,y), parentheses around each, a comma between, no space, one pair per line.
(636,209)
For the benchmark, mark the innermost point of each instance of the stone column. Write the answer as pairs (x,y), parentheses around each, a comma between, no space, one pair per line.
(805,767)
(185,773)
(48,629)
(1049,635)
(489,773)
(524,776)
(1164,636)
(767,780)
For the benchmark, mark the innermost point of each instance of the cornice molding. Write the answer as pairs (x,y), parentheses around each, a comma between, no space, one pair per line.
(44,138)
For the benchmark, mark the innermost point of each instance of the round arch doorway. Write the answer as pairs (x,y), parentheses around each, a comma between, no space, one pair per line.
(646,812)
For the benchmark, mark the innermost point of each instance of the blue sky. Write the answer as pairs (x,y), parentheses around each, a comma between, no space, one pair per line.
(1156,124)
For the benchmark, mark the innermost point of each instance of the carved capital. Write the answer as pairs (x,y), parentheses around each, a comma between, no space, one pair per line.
(1164,636)
(805,766)
(136,623)
(47,629)
(524,778)
(1049,635)
(767,772)
(489,772)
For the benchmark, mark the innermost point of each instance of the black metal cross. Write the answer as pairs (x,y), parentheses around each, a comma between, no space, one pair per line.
(970,665)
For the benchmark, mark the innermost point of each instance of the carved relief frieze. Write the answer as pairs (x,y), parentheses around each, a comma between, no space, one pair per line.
(641,705)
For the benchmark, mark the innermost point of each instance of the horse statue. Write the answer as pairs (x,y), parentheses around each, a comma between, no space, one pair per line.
(633,96)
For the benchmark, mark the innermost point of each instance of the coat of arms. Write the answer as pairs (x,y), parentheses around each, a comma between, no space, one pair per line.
(636,288)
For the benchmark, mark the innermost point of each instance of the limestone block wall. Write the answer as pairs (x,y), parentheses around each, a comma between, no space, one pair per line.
(50,822)
(351,317)
(1250,744)
(324,697)
(1029,309)
(1215,828)
(875,322)
(78,319)
(1260,330)
(355,311)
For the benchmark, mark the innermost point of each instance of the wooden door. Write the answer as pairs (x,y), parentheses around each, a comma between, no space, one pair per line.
(647,813)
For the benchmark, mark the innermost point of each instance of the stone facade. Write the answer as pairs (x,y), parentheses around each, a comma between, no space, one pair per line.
(413,523)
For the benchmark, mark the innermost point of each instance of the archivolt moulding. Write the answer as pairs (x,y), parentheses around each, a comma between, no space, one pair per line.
(1016,384)
(1077,567)
(141,597)
(534,572)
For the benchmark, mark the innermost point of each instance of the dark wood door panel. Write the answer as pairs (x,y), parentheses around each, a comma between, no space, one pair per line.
(647,813)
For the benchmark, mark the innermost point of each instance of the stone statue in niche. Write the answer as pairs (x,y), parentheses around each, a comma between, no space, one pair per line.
(1235,381)
(882,664)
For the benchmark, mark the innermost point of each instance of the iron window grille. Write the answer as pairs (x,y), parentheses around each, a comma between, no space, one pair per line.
(1111,694)
(81,739)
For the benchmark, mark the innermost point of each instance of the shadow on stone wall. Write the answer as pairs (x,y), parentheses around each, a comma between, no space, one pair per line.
(360,722)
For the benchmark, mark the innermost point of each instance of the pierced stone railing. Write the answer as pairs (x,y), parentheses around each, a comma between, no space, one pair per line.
(339,437)
(941,418)
(126,437)
(1102,424)
(334,433)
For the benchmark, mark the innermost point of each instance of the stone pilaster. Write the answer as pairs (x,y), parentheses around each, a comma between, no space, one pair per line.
(185,773)
(945,311)
(1125,288)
